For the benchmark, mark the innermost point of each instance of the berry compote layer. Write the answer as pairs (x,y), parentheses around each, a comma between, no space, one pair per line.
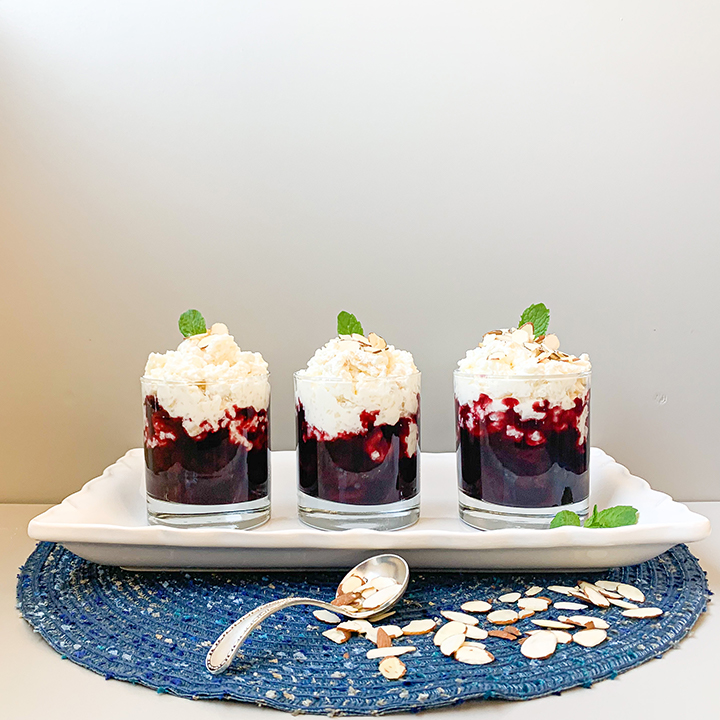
(218,466)
(376,466)
(519,459)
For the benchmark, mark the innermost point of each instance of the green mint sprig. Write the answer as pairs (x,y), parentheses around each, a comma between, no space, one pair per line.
(192,322)
(539,316)
(347,324)
(617,516)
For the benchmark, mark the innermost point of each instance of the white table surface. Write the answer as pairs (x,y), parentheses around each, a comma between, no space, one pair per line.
(36,683)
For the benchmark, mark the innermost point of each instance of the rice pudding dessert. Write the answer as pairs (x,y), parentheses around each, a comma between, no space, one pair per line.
(206,432)
(522,422)
(358,404)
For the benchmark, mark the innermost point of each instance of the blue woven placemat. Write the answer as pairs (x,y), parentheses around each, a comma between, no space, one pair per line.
(154,629)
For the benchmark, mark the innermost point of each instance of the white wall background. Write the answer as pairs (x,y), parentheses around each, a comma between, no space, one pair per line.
(433,167)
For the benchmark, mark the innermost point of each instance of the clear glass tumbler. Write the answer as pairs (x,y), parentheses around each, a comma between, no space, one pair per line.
(523,448)
(207,457)
(358,452)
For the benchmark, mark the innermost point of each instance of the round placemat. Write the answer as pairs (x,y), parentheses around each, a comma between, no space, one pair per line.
(154,629)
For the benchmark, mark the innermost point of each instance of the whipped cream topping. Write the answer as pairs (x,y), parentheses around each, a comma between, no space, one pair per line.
(351,375)
(206,378)
(510,363)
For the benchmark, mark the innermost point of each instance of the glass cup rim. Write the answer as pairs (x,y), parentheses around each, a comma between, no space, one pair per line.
(336,380)
(492,376)
(160,381)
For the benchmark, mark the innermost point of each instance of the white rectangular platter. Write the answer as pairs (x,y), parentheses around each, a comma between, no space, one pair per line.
(105,522)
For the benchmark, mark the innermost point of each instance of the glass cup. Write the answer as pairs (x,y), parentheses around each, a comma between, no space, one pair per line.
(523,448)
(358,452)
(207,457)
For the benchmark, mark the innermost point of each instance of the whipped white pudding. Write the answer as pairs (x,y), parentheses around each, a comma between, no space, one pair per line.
(357,405)
(522,420)
(206,426)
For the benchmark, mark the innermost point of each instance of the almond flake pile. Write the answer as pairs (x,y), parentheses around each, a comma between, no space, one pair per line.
(459,637)
(544,347)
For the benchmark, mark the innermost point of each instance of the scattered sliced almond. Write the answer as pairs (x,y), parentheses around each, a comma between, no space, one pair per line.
(470,654)
(392,631)
(388,651)
(510,597)
(419,627)
(358,626)
(562,636)
(595,596)
(380,597)
(534,590)
(512,630)
(326,616)
(337,636)
(476,606)
(392,668)
(553,624)
(630,592)
(579,595)
(475,633)
(560,605)
(448,630)
(609,593)
(502,634)
(586,621)
(533,603)
(451,644)
(589,638)
(562,589)
(459,617)
(503,617)
(383,639)
(622,604)
(539,645)
(642,613)
(525,614)
(382,615)
(607,585)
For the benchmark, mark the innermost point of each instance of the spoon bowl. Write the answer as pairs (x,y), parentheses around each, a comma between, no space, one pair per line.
(382,568)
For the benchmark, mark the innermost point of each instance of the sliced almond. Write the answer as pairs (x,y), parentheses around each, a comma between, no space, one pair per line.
(345,599)
(534,590)
(520,337)
(630,592)
(607,585)
(510,597)
(529,329)
(392,668)
(551,342)
(419,627)
(382,639)
(337,636)
(448,630)
(609,593)
(622,604)
(459,617)
(503,617)
(642,612)
(589,638)
(539,645)
(380,597)
(595,596)
(512,629)
(380,582)
(326,616)
(502,634)
(392,631)
(376,341)
(470,654)
(525,614)
(475,633)
(533,603)
(451,644)
(553,624)
(562,636)
(586,621)
(382,615)
(388,651)
(560,605)
(476,606)
(579,595)
(350,584)
(358,626)
(562,589)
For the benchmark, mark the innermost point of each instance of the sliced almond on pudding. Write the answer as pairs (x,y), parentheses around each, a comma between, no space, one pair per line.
(540,645)
(551,342)
(459,617)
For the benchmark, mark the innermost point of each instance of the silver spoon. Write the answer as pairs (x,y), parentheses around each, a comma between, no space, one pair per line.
(225,648)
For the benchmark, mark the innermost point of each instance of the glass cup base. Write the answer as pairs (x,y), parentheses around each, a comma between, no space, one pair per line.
(240,516)
(326,515)
(488,516)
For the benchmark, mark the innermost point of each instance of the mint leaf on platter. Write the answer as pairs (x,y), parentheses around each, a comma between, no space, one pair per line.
(192,322)
(617,516)
(565,517)
(347,324)
(539,316)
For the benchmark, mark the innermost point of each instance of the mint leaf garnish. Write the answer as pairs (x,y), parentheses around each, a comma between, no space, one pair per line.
(539,316)
(192,322)
(617,516)
(565,517)
(347,324)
